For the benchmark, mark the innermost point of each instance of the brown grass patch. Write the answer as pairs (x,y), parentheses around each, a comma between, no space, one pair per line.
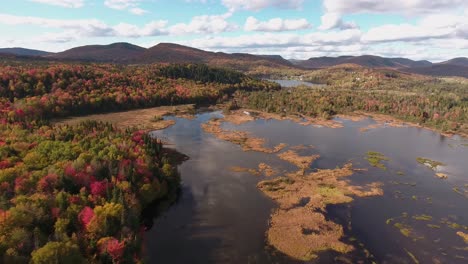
(238,117)
(302,162)
(242,169)
(263,168)
(142,118)
(266,169)
(241,138)
(298,227)
(352,117)
(463,235)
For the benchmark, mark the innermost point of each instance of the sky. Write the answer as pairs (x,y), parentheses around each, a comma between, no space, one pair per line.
(434,30)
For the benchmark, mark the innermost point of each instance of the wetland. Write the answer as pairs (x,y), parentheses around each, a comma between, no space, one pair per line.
(262,188)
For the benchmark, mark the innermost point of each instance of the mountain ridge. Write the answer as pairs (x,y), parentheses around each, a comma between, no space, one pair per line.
(127,53)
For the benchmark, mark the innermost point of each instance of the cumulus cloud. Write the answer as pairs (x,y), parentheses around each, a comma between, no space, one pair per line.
(129,5)
(333,20)
(62,3)
(289,45)
(335,9)
(437,26)
(137,11)
(76,28)
(86,27)
(154,28)
(390,6)
(275,24)
(256,5)
(270,40)
(206,24)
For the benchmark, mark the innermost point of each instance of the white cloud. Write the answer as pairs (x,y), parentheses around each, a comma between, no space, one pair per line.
(204,25)
(430,27)
(391,6)
(335,9)
(275,24)
(155,28)
(256,5)
(129,5)
(270,40)
(87,27)
(62,3)
(288,45)
(330,20)
(137,11)
(121,4)
(404,32)
(74,29)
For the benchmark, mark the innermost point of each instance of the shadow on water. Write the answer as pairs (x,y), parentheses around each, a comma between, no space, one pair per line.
(183,245)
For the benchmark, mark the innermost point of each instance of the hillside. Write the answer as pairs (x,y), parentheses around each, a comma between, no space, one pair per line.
(440,70)
(24,52)
(259,65)
(461,61)
(165,53)
(116,52)
(174,53)
(365,60)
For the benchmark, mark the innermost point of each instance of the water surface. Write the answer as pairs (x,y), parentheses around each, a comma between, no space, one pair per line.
(222,217)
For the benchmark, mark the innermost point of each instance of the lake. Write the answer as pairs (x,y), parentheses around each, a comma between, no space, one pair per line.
(222,217)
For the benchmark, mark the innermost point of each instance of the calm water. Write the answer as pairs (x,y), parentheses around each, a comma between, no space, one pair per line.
(293,83)
(222,217)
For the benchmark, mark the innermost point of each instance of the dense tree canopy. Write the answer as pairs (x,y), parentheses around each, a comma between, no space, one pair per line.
(433,102)
(75,194)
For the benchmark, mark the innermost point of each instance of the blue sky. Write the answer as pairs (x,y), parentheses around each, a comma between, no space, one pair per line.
(435,30)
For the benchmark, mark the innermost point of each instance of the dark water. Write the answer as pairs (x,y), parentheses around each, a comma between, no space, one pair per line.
(222,217)
(293,83)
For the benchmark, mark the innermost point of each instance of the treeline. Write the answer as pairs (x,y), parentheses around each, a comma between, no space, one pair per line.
(202,73)
(447,112)
(62,90)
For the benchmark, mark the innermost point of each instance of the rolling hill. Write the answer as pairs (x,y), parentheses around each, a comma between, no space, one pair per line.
(116,52)
(127,53)
(24,52)
(365,60)
(174,53)
(456,61)
(439,69)
(164,53)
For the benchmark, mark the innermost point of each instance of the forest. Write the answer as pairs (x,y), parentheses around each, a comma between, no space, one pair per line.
(75,194)
(436,103)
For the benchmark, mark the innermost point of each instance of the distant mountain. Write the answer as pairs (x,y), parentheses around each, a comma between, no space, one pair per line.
(24,52)
(462,61)
(175,53)
(411,63)
(440,69)
(365,60)
(116,52)
(164,53)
